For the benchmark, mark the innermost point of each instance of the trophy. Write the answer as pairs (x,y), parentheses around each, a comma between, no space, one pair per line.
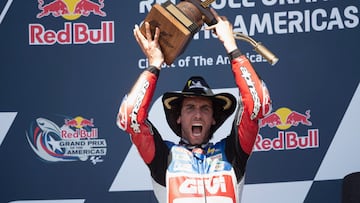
(178,24)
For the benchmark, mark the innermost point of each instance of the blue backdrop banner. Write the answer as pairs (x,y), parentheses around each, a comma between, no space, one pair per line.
(66,65)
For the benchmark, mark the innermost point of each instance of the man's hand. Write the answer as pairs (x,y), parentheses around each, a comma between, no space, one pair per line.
(224,31)
(149,45)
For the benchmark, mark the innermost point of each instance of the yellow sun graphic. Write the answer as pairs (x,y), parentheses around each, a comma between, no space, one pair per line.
(283,114)
(71,4)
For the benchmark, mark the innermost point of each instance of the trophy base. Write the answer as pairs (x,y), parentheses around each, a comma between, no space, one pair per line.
(176,30)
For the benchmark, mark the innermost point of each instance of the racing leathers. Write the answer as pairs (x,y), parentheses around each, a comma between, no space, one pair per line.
(213,172)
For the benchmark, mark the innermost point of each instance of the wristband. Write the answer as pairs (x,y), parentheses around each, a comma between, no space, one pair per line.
(154,70)
(234,54)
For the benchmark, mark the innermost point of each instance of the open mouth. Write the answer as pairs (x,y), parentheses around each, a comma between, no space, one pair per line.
(196,129)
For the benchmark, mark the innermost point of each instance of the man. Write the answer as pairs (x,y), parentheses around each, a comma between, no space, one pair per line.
(196,170)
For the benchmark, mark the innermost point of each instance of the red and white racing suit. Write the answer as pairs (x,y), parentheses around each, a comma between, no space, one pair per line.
(181,173)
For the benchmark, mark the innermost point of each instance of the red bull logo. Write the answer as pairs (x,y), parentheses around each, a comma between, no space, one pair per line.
(56,8)
(79,133)
(294,118)
(77,33)
(74,140)
(283,119)
(70,9)
(79,122)
(288,141)
(85,7)
(72,33)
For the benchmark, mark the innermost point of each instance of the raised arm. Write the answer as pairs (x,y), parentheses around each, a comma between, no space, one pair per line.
(254,96)
(133,112)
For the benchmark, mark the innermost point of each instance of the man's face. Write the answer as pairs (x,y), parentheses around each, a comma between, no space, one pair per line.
(196,118)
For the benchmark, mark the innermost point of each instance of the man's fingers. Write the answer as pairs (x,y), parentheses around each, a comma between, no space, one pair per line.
(135,32)
(210,27)
(148,31)
(138,35)
(157,34)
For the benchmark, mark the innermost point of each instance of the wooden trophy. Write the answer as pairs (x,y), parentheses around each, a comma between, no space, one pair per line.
(178,24)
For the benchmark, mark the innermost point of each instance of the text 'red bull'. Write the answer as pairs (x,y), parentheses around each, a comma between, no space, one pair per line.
(287,141)
(80,133)
(77,33)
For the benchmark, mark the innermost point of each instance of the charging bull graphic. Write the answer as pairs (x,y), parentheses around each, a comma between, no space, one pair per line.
(58,8)
(284,118)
